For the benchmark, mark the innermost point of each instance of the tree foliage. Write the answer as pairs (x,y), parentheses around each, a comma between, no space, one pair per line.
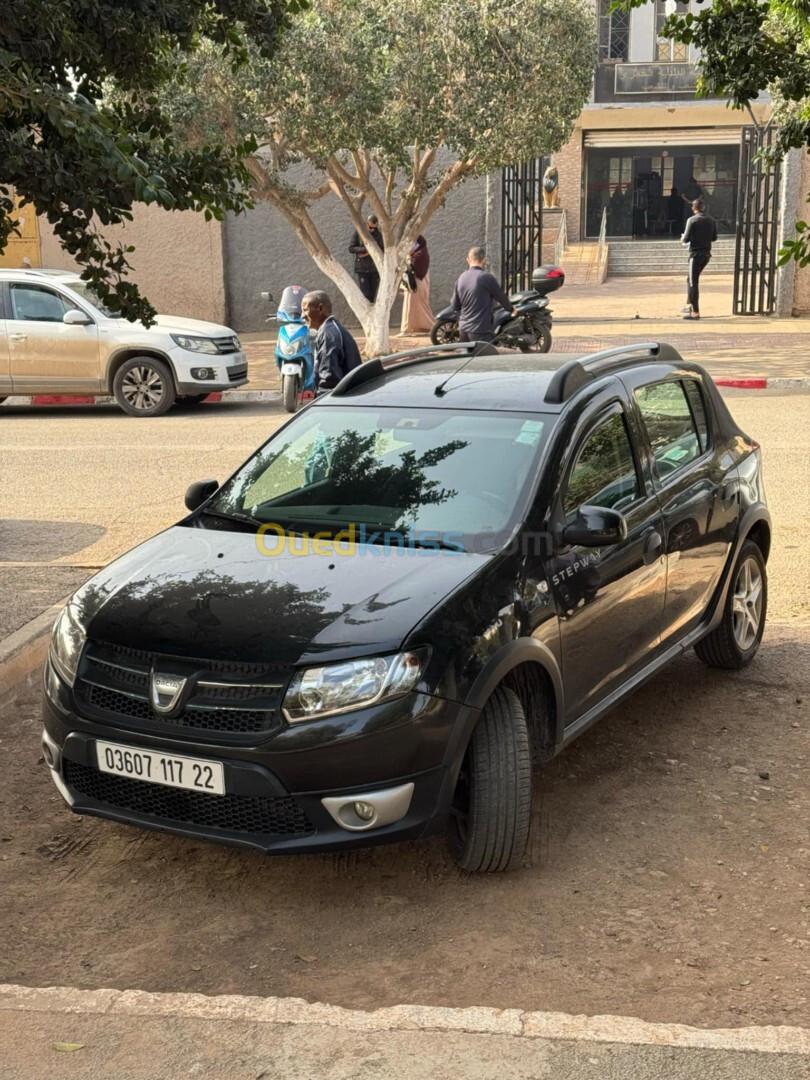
(749,47)
(364,96)
(84,157)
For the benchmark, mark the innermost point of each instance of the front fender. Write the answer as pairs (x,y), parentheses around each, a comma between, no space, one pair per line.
(523,650)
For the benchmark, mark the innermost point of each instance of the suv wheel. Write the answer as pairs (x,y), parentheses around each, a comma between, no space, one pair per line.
(491,812)
(734,643)
(144,386)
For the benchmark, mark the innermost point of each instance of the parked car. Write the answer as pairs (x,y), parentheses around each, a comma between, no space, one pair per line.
(57,337)
(426,581)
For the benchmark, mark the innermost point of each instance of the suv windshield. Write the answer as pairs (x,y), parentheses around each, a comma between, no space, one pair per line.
(457,474)
(87,293)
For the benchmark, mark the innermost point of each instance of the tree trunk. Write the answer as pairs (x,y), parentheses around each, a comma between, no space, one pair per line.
(376,324)
(373,318)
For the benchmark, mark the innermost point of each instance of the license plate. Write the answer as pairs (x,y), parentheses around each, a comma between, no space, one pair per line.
(156,767)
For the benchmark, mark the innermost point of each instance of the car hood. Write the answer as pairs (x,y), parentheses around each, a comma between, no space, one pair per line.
(193,326)
(174,324)
(209,594)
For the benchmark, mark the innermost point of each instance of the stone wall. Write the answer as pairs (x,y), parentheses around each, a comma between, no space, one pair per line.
(177,262)
(262,251)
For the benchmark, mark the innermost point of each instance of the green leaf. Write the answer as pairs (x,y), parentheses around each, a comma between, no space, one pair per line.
(67,1047)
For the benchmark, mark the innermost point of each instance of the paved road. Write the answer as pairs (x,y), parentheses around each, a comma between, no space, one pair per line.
(82,485)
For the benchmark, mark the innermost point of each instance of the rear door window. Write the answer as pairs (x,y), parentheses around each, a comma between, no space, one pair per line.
(671,428)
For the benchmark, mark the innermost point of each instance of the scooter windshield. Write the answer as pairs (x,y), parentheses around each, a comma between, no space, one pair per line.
(290,304)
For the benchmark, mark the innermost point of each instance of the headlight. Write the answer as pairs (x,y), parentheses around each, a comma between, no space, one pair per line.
(338,688)
(67,642)
(290,348)
(195,344)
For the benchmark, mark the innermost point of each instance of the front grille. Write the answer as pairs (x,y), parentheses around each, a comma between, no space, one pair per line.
(232,813)
(229,700)
(236,373)
(227,344)
(196,718)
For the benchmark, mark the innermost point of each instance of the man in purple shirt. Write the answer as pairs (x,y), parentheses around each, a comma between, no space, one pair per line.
(475,293)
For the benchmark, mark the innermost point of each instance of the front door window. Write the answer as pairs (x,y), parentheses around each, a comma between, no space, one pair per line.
(35,303)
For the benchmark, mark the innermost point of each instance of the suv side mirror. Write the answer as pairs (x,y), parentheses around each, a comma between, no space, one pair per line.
(197,494)
(595,526)
(74,317)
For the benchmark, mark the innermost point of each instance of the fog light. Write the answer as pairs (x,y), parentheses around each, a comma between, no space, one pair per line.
(203,373)
(47,753)
(365,811)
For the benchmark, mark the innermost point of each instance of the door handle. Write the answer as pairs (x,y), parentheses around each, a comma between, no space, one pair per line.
(652,546)
(18,337)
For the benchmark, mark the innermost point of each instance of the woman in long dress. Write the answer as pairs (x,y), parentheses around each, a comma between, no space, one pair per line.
(417,318)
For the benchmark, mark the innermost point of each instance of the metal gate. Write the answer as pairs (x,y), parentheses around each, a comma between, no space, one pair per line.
(521,223)
(757,225)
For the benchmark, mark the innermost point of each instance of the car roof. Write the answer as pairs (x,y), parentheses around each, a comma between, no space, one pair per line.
(520,382)
(24,272)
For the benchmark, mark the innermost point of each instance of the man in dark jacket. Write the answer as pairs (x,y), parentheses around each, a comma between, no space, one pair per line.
(473,297)
(336,351)
(368,277)
(699,235)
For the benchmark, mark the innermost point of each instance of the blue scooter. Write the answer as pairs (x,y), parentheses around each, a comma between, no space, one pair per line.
(294,355)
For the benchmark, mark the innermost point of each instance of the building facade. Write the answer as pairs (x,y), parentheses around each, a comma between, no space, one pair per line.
(644,145)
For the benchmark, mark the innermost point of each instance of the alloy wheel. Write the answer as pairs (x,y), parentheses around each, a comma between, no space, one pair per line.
(747,604)
(143,388)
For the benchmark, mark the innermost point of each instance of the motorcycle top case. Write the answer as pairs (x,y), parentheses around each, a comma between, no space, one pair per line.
(547,279)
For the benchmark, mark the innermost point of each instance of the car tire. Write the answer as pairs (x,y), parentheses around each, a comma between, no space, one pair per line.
(491,815)
(289,392)
(143,386)
(444,332)
(735,642)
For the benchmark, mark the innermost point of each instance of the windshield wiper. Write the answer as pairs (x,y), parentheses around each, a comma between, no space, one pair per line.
(241,518)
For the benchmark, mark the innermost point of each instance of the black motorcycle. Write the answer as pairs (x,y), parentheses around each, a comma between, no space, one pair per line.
(528,331)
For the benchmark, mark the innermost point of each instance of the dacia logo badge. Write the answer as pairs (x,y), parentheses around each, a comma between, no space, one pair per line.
(165,692)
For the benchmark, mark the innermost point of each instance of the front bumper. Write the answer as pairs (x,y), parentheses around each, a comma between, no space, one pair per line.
(275,799)
(227,371)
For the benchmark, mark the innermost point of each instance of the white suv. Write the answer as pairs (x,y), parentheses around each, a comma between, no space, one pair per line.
(56,337)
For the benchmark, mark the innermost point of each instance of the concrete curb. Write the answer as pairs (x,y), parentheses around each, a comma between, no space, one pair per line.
(529,1025)
(23,652)
(226,397)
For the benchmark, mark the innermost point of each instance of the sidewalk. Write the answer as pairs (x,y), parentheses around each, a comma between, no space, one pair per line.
(131,1035)
(623,310)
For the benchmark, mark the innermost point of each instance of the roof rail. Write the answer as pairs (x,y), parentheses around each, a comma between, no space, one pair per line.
(577,373)
(377,368)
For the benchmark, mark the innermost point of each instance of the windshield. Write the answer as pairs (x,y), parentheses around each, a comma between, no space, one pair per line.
(453,475)
(85,290)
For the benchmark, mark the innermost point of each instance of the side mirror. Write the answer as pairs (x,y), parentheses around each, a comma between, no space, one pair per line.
(595,526)
(74,317)
(197,494)
(268,296)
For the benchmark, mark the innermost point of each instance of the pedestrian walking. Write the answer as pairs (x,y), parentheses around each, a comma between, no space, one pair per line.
(417,318)
(699,235)
(336,352)
(473,297)
(368,277)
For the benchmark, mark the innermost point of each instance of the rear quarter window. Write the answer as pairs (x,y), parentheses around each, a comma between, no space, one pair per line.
(671,427)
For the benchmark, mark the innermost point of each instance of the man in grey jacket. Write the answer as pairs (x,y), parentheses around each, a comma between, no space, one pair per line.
(473,297)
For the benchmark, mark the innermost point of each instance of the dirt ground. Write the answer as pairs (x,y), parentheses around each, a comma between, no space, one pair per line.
(668,879)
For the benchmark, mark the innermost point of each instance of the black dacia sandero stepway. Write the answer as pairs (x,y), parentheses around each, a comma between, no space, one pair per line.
(432,577)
